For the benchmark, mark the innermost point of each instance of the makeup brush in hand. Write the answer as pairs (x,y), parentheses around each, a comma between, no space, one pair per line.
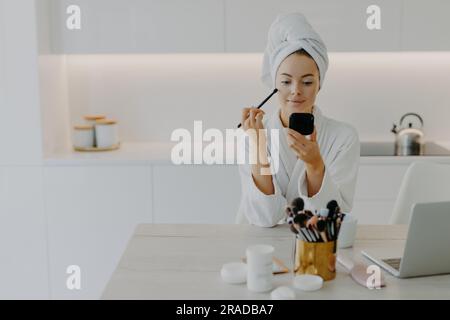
(262,103)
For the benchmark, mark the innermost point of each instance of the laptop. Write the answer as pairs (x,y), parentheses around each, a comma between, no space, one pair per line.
(426,251)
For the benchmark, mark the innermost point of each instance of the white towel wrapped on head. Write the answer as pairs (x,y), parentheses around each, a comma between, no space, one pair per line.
(289,33)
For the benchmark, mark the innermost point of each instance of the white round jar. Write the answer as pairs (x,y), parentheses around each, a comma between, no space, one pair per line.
(259,267)
(106,133)
(83,136)
(92,119)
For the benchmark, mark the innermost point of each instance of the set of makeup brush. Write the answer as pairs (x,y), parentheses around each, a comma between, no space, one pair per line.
(322,226)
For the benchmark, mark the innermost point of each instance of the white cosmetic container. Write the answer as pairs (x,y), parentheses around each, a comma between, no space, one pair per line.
(282,293)
(308,282)
(347,232)
(91,119)
(234,272)
(106,133)
(259,268)
(83,136)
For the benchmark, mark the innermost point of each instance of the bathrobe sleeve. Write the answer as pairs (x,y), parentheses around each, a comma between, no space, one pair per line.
(260,209)
(341,171)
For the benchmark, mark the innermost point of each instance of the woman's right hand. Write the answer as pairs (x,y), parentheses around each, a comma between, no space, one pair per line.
(262,176)
(252,118)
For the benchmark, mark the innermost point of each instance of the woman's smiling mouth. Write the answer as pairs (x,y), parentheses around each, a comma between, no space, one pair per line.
(296,101)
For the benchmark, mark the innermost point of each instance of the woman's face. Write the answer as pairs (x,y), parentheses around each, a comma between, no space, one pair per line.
(297,81)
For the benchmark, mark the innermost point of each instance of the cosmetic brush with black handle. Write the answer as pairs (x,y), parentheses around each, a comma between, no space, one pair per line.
(299,231)
(263,102)
(339,221)
(321,226)
(298,203)
(309,213)
(329,220)
(312,223)
(332,205)
(289,215)
(302,220)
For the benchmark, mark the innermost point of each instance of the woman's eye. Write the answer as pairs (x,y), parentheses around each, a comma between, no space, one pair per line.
(306,83)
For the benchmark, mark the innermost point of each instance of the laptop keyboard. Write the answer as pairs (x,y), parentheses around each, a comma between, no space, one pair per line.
(394,263)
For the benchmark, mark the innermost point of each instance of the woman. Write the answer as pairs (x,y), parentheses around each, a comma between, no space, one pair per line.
(319,169)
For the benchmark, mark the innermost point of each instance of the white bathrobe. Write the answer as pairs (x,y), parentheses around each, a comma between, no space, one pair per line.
(339,146)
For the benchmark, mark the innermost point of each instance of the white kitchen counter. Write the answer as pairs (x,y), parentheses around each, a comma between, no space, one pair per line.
(183,262)
(129,153)
(145,153)
(406,160)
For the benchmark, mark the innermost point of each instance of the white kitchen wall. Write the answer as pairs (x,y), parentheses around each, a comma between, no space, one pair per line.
(52,86)
(151,95)
(20,118)
(54,103)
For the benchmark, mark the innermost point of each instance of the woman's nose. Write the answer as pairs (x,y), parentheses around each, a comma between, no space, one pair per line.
(296,89)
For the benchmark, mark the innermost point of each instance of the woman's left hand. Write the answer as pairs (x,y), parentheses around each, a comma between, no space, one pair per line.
(307,150)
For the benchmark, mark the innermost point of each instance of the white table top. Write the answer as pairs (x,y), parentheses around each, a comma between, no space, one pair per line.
(184,262)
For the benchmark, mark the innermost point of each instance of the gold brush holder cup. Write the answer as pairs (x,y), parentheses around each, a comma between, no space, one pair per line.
(317,258)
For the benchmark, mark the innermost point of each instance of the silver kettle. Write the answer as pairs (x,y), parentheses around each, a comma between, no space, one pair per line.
(409,140)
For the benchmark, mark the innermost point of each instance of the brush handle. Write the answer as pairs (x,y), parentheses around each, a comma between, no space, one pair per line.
(316,233)
(262,103)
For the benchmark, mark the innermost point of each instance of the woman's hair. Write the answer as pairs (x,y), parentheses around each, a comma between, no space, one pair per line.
(303,52)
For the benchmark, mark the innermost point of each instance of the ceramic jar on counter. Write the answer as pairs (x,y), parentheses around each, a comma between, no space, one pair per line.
(106,133)
(91,119)
(83,136)
(97,134)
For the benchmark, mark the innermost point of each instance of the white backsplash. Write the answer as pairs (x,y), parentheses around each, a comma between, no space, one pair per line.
(151,95)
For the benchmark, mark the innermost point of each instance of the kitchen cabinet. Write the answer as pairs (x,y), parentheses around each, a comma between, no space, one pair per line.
(211,194)
(376,191)
(373,211)
(378,185)
(196,193)
(425,25)
(211,26)
(23,244)
(140,26)
(92,211)
(341,24)
(379,181)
